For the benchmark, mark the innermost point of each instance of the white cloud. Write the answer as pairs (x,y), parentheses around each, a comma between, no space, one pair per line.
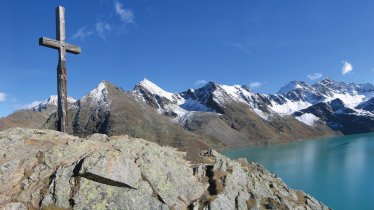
(200,82)
(347,67)
(255,84)
(105,25)
(2,97)
(126,15)
(102,28)
(30,105)
(82,33)
(314,76)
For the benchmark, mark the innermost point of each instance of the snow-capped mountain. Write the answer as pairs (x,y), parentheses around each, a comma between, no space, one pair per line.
(164,102)
(215,98)
(210,98)
(326,90)
(338,116)
(298,95)
(98,96)
(51,101)
(291,98)
(215,114)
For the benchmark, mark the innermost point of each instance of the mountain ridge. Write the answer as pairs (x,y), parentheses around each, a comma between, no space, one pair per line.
(212,116)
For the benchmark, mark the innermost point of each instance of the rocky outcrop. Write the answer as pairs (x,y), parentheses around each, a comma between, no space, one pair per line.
(43,169)
(242,185)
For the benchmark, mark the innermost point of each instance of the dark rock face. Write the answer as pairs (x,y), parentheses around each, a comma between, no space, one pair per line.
(341,118)
(44,169)
(367,105)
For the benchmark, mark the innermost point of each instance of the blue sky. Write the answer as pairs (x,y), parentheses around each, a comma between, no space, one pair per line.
(181,44)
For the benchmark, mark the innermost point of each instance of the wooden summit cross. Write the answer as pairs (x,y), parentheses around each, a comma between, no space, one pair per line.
(62,47)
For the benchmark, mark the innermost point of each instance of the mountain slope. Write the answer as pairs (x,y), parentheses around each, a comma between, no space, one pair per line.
(34,117)
(367,105)
(109,110)
(215,115)
(339,116)
(232,114)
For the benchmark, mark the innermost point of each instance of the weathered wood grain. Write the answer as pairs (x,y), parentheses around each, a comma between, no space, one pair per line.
(62,48)
(55,44)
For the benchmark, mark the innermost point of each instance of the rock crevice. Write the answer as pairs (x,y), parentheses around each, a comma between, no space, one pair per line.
(48,169)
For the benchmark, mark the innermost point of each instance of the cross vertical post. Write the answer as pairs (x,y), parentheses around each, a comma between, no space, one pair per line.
(62,47)
(61,71)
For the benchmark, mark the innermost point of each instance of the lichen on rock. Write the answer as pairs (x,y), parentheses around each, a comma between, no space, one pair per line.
(41,169)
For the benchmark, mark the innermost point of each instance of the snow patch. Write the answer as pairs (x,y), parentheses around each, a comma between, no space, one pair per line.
(289,106)
(350,100)
(292,86)
(51,101)
(361,112)
(192,105)
(156,90)
(260,113)
(98,96)
(308,119)
(236,93)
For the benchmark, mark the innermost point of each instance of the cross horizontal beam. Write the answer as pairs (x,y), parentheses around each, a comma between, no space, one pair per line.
(55,44)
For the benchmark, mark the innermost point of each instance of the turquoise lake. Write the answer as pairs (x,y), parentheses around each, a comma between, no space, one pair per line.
(338,171)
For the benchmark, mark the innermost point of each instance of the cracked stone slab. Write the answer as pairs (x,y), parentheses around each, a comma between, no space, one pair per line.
(47,169)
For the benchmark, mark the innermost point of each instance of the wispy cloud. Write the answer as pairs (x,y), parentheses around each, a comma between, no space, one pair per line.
(125,15)
(255,84)
(314,76)
(102,28)
(200,82)
(347,67)
(2,97)
(82,33)
(107,24)
(239,46)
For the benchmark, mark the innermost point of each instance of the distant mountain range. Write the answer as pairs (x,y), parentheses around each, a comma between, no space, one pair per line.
(214,115)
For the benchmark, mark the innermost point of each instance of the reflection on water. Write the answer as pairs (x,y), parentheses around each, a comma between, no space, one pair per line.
(337,171)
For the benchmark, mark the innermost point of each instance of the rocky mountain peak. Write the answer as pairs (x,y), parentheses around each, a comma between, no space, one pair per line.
(293,85)
(209,87)
(51,101)
(326,81)
(99,95)
(337,104)
(148,87)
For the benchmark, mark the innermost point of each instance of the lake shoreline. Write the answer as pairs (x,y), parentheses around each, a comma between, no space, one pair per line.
(281,142)
(323,167)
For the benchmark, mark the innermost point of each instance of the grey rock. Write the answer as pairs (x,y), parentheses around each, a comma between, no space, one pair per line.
(48,169)
(112,166)
(15,206)
(98,137)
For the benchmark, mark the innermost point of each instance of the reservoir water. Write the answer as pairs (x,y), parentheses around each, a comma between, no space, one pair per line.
(338,171)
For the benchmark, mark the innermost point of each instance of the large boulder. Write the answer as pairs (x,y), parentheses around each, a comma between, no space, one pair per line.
(41,169)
